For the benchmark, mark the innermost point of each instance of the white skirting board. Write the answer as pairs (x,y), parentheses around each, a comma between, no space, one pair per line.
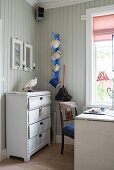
(67,140)
(3,154)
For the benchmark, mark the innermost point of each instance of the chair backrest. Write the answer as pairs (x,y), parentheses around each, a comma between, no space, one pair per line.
(68,107)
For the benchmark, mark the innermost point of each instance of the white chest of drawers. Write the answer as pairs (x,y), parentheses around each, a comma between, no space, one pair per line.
(27,122)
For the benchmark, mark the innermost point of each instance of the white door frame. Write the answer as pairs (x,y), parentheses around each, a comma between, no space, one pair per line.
(0,80)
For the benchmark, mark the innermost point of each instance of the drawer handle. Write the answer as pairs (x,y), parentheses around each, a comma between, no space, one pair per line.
(41,98)
(40,135)
(40,110)
(41,123)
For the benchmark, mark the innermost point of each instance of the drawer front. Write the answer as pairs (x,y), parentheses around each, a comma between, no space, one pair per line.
(38,140)
(44,125)
(33,130)
(46,100)
(43,137)
(32,144)
(39,101)
(39,127)
(44,113)
(34,102)
(37,115)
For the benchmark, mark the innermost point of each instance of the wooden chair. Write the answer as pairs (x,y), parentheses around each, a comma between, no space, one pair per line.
(69,129)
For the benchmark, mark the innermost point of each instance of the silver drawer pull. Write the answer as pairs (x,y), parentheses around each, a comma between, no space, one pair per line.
(40,135)
(41,123)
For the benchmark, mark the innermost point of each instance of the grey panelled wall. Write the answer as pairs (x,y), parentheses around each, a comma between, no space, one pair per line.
(18,21)
(67,22)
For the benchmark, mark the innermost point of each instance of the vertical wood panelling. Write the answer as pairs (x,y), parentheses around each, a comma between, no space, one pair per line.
(48,48)
(107,2)
(78,56)
(18,21)
(2,89)
(69,60)
(74,49)
(66,21)
(83,59)
(111,2)
(101,2)
(96,3)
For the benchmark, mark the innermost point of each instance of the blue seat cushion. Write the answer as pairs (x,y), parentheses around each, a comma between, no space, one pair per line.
(69,130)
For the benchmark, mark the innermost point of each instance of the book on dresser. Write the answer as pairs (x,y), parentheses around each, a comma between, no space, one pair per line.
(27,123)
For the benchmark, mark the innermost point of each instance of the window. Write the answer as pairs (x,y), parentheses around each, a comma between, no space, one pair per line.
(103,62)
(99,30)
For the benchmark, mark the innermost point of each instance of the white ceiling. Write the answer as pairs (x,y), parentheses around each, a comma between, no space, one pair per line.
(54,3)
(46,1)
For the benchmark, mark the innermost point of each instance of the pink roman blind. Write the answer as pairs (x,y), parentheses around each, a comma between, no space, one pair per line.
(103,28)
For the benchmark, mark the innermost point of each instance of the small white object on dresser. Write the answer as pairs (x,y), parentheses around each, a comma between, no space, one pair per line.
(27,123)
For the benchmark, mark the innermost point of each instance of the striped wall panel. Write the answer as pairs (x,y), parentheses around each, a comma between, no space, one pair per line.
(18,21)
(67,22)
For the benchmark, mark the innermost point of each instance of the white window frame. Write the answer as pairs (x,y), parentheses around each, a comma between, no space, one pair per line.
(90,13)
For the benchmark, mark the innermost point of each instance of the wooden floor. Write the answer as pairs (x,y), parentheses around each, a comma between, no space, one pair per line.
(48,158)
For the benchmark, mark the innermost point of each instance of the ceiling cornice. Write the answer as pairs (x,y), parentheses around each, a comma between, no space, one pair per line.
(56,4)
(32,2)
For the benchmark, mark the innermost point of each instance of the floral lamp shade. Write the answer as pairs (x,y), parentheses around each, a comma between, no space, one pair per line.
(102,76)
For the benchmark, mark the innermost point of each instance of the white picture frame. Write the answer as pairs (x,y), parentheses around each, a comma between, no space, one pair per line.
(28,57)
(17,53)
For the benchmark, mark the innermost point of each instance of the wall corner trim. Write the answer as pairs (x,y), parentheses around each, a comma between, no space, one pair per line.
(67,140)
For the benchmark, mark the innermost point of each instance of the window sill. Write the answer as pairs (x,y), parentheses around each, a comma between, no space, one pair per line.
(86,107)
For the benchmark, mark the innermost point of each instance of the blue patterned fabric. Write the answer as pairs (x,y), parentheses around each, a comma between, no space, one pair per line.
(69,130)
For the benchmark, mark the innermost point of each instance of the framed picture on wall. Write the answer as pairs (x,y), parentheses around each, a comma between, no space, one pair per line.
(17,53)
(28,56)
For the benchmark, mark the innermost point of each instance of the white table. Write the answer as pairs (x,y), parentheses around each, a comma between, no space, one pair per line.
(94,142)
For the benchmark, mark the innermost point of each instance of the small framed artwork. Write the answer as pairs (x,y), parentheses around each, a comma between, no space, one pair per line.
(28,56)
(17,53)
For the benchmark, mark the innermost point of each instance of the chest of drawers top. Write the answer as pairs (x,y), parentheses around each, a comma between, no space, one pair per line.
(30,94)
